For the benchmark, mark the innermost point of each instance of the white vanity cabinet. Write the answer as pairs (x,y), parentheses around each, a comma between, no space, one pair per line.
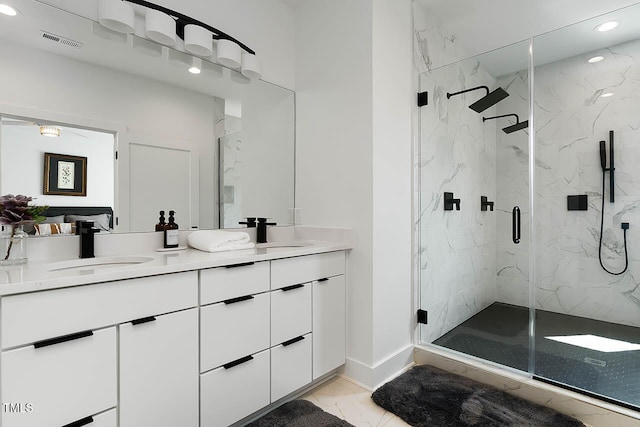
(61,353)
(61,380)
(234,342)
(159,371)
(325,275)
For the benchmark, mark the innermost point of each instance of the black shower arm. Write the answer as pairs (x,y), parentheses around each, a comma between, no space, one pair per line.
(449,95)
(484,119)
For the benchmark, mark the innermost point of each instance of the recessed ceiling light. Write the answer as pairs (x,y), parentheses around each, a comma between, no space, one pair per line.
(606,95)
(596,59)
(5,9)
(196,66)
(607,26)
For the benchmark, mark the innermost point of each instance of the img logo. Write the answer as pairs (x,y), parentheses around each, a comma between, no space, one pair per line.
(17,408)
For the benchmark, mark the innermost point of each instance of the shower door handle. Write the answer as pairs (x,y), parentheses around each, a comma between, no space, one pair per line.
(515,221)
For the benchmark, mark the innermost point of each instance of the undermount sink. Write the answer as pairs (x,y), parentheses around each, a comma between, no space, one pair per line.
(99,263)
(284,245)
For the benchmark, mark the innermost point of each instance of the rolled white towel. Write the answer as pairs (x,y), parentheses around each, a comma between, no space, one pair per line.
(219,240)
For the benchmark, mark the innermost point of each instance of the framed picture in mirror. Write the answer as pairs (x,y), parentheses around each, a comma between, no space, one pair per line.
(65,175)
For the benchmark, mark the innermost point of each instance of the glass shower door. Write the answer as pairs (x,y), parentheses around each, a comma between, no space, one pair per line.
(474,207)
(588,193)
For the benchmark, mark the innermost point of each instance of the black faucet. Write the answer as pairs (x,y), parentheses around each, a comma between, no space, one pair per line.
(261,233)
(86,230)
(250,222)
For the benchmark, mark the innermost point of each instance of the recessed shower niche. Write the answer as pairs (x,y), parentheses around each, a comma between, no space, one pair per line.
(544,306)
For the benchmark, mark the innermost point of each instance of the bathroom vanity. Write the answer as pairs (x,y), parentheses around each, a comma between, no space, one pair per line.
(184,339)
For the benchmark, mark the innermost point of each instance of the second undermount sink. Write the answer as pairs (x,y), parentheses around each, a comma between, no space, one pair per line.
(284,244)
(98,263)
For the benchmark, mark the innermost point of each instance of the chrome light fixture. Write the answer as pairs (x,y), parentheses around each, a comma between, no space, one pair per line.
(162,25)
(50,131)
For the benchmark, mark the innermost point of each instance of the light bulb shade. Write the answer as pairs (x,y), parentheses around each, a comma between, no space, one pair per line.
(229,53)
(51,131)
(160,27)
(117,15)
(198,40)
(250,65)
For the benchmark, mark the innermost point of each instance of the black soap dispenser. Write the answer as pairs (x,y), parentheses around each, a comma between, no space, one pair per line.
(161,224)
(171,233)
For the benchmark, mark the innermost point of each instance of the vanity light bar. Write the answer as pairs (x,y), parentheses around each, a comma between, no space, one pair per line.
(183,20)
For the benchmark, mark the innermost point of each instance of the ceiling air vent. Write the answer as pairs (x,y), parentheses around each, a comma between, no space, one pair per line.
(61,40)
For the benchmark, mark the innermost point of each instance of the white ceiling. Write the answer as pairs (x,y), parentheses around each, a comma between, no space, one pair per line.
(483,25)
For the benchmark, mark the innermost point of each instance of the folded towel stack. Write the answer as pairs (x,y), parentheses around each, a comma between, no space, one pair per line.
(219,240)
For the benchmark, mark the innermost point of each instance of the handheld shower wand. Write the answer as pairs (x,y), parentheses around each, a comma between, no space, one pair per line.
(625,225)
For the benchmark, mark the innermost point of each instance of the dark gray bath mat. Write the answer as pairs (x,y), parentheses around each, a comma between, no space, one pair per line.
(430,397)
(299,413)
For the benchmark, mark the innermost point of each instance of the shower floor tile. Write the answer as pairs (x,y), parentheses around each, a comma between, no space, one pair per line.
(499,333)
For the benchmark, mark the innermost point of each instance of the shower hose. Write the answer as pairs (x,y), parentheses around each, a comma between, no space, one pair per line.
(626,255)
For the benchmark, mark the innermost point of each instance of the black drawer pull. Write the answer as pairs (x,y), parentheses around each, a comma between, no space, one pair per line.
(292,287)
(243,264)
(323,280)
(237,362)
(143,320)
(292,341)
(64,338)
(239,299)
(79,423)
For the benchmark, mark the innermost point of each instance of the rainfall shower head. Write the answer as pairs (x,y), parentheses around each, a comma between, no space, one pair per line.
(515,127)
(489,100)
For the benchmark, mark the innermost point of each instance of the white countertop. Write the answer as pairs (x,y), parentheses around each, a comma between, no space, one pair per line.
(37,276)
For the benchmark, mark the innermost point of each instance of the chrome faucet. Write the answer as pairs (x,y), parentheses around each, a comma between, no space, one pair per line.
(86,230)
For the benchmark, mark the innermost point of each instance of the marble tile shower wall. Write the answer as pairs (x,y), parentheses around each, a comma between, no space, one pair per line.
(457,153)
(571,118)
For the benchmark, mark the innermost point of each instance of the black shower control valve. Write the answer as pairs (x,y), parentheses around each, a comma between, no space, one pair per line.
(625,225)
(450,202)
(485,203)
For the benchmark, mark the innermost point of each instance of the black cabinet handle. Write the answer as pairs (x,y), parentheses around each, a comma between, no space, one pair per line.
(515,221)
(143,320)
(243,264)
(79,423)
(323,280)
(292,287)
(292,341)
(237,362)
(64,338)
(239,299)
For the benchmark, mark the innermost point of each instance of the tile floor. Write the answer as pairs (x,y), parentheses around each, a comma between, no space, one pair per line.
(352,403)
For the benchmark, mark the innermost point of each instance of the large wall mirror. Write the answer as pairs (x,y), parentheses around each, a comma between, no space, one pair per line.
(214,147)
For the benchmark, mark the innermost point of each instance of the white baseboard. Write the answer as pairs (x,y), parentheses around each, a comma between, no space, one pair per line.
(372,377)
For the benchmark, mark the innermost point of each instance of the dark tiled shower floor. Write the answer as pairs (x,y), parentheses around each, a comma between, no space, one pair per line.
(499,333)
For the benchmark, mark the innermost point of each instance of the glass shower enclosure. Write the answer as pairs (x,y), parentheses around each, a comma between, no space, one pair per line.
(529,198)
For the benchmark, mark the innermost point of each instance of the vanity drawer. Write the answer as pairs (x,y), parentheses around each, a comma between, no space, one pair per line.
(292,271)
(64,382)
(105,419)
(290,312)
(36,316)
(223,283)
(290,366)
(230,394)
(232,330)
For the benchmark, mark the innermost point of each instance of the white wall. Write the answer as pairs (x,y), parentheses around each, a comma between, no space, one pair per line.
(353,88)
(22,156)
